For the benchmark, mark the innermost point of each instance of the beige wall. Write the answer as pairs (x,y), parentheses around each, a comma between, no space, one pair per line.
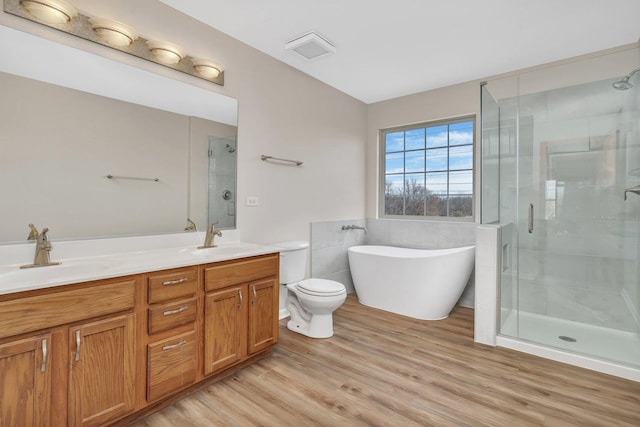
(282,113)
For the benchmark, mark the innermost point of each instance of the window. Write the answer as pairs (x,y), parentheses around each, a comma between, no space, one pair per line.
(428,169)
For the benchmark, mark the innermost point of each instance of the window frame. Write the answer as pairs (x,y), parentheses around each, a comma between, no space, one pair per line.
(425,125)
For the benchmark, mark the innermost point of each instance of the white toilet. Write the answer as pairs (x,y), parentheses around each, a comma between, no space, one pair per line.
(310,302)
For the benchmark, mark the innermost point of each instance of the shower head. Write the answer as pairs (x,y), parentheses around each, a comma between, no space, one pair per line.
(623,83)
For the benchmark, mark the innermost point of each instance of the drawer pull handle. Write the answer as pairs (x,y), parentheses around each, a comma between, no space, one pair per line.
(240,293)
(170,347)
(43,367)
(177,310)
(174,282)
(77,346)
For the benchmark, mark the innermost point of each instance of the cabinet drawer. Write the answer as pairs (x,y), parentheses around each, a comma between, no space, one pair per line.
(166,316)
(172,284)
(236,272)
(65,306)
(171,365)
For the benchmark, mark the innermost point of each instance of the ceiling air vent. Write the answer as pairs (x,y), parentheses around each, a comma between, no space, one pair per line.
(310,45)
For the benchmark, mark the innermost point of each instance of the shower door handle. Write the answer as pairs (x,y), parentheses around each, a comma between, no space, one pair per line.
(530,218)
(634,190)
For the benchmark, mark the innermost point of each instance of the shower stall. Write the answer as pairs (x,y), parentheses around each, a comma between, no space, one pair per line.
(561,177)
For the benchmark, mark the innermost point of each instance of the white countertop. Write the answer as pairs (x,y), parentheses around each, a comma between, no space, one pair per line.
(76,269)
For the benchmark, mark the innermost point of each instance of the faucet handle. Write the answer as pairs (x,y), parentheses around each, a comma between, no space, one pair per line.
(33,235)
(191,226)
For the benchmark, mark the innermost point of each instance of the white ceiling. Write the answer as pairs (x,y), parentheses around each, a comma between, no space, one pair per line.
(387,49)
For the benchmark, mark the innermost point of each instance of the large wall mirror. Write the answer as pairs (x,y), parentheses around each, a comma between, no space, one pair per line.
(69,119)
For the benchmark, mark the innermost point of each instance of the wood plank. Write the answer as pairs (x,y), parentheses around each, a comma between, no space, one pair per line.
(383,369)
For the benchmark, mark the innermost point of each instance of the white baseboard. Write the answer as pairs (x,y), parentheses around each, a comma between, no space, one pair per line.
(283,313)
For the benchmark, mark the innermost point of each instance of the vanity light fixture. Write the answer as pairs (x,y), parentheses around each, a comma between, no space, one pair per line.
(113,32)
(165,52)
(206,68)
(50,11)
(62,16)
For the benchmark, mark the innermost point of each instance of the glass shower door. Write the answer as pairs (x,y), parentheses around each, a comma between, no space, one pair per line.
(577,238)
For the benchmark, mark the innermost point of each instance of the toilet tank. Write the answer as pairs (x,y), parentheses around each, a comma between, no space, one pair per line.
(293,260)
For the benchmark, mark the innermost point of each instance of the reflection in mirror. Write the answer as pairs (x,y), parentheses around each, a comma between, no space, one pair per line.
(57,144)
(222,182)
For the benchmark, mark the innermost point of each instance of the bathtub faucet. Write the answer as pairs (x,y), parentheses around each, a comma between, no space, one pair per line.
(354,227)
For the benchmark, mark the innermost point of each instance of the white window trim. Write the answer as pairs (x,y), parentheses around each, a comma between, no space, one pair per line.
(382,169)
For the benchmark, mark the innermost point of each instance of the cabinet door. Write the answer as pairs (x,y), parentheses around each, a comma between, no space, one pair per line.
(225,328)
(102,370)
(263,315)
(25,382)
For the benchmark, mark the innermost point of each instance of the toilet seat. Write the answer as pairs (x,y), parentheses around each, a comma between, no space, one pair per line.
(321,287)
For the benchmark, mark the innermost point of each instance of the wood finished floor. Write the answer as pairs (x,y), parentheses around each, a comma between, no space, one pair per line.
(381,369)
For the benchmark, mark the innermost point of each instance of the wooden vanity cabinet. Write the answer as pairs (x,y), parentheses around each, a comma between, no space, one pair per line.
(103,352)
(47,380)
(241,310)
(25,381)
(172,349)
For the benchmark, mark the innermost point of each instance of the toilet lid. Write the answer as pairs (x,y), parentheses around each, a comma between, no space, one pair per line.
(321,287)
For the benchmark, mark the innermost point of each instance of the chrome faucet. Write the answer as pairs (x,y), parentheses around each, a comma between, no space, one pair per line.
(43,249)
(211,233)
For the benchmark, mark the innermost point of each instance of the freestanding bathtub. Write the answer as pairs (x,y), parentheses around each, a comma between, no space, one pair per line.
(420,283)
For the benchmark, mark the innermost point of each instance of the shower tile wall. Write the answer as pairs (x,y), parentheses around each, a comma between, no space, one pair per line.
(329,244)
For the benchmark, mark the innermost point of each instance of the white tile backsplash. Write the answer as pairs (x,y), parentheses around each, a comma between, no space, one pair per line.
(329,244)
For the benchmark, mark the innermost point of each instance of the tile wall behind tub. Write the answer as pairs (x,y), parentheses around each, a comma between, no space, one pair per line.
(425,235)
(329,244)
